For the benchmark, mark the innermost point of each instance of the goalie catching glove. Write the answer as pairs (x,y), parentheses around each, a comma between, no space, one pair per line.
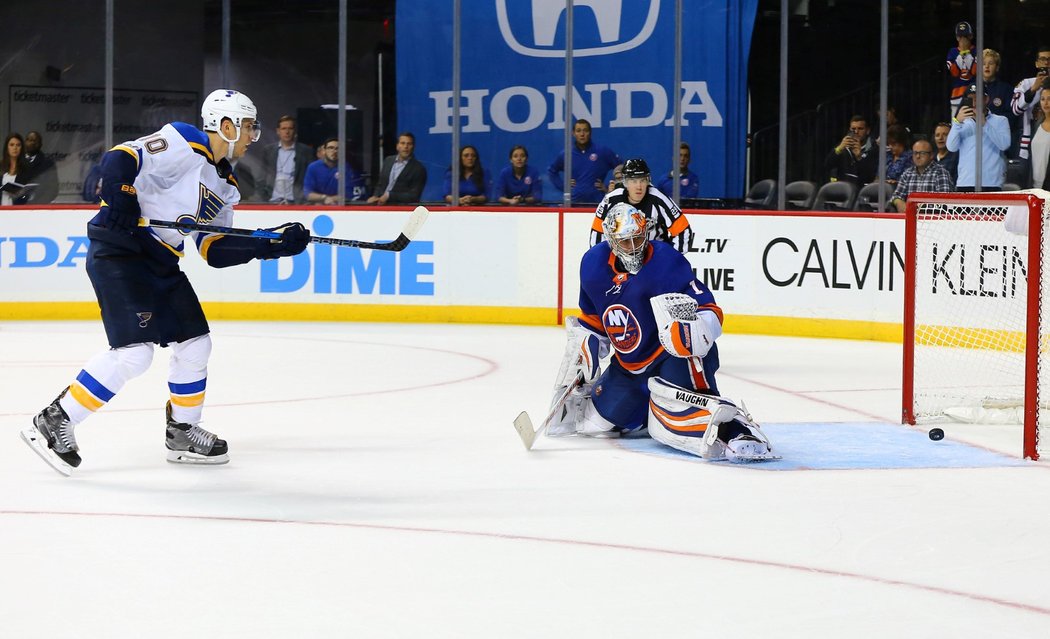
(683,331)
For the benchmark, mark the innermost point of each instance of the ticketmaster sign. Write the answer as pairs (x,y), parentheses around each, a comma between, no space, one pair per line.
(513,82)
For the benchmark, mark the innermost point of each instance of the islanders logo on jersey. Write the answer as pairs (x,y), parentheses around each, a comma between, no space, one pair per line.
(622,327)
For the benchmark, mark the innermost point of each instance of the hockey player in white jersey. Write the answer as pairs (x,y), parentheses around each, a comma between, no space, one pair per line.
(179,173)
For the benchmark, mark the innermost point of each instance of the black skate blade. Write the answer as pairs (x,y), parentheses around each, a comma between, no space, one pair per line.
(32,437)
(186,457)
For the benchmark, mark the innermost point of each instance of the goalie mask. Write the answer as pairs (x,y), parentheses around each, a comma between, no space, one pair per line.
(627,231)
(227,103)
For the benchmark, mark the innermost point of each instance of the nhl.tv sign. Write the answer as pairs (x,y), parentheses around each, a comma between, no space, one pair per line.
(513,82)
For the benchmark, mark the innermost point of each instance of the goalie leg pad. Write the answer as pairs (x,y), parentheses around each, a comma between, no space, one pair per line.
(686,420)
(708,426)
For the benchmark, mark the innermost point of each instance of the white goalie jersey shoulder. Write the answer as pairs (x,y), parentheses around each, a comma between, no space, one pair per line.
(684,330)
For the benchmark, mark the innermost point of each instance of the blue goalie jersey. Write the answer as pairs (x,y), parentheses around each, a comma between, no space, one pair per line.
(616,304)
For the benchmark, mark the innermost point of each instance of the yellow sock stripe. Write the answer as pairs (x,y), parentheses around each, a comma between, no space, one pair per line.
(188,400)
(85,398)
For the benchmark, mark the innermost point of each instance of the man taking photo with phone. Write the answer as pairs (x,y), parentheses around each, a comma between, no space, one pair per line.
(1026,97)
(855,159)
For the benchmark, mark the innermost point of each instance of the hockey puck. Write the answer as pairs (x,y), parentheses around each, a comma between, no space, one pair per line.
(936,434)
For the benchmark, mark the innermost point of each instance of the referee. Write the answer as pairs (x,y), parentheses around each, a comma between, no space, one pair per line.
(637,190)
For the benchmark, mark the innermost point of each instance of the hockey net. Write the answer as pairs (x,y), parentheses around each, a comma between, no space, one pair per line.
(975,318)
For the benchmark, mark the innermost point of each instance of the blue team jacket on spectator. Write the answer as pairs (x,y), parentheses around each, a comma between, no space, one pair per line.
(466,185)
(690,185)
(528,186)
(321,178)
(588,166)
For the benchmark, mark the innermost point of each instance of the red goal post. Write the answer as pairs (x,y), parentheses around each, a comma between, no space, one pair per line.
(976,311)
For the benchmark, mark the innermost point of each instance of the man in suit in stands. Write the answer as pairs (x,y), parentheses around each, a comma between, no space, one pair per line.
(403,177)
(42,170)
(283,168)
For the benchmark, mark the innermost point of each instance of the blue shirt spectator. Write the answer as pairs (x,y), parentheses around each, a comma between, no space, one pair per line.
(321,182)
(689,182)
(519,183)
(996,140)
(472,187)
(590,164)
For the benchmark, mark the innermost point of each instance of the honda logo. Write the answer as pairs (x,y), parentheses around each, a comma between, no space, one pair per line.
(547,13)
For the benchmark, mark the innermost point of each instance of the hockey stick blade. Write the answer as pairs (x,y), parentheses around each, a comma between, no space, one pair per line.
(523,424)
(408,233)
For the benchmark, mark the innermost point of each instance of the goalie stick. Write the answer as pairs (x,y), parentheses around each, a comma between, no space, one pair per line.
(408,233)
(523,423)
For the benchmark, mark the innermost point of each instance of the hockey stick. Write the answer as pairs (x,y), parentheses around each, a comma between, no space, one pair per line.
(523,424)
(408,233)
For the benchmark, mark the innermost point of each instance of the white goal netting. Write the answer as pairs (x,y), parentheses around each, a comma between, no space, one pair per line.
(975,342)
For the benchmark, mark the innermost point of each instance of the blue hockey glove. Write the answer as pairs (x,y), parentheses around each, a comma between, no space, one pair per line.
(123,202)
(294,240)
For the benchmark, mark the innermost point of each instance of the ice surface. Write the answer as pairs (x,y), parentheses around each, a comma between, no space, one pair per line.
(377,489)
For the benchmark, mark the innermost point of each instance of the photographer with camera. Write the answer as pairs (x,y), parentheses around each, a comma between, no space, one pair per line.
(855,159)
(995,140)
(1026,97)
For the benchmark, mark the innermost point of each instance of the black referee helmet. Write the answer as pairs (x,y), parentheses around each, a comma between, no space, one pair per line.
(635,168)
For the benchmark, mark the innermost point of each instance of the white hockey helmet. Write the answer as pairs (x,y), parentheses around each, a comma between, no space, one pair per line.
(627,231)
(227,103)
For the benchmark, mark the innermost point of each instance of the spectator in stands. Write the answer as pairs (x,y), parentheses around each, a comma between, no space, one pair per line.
(690,183)
(855,159)
(15,168)
(898,156)
(1000,92)
(891,120)
(962,64)
(40,170)
(472,186)
(321,182)
(519,184)
(402,177)
(1026,98)
(284,166)
(1040,178)
(617,178)
(924,175)
(590,164)
(948,159)
(995,141)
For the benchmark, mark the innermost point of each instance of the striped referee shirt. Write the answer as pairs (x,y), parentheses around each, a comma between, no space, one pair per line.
(671,226)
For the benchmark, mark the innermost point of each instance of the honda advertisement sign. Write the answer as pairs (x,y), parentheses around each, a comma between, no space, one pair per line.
(512,80)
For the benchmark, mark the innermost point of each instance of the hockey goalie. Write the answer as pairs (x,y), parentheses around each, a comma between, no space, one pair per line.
(641,300)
